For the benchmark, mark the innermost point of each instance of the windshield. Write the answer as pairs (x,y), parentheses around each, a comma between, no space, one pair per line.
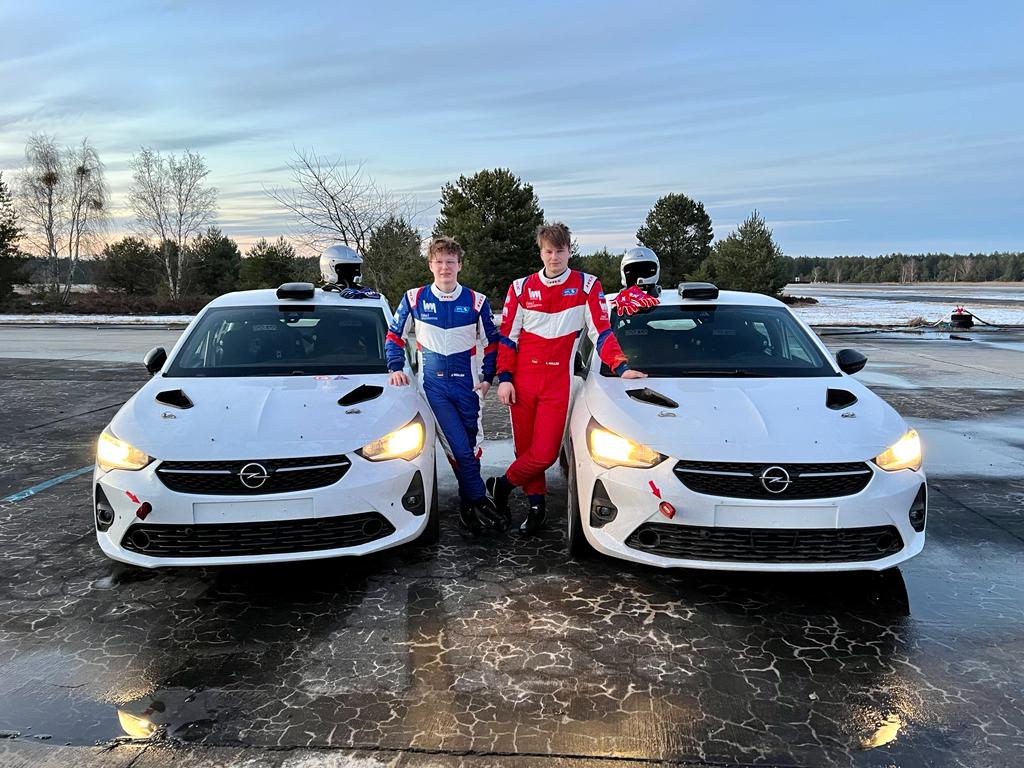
(287,341)
(716,341)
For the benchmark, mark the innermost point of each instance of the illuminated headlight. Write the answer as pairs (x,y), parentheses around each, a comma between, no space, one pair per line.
(405,443)
(112,453)
(611,450)
(905,453)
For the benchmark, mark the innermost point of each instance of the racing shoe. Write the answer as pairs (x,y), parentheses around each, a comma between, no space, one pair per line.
(534,518)
(487,512)
(468,518)
(498,491)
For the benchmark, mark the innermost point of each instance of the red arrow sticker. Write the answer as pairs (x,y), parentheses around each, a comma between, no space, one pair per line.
(654,488)
(132,496)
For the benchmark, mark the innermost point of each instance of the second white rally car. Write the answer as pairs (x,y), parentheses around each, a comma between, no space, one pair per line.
(749,447)
(269,433)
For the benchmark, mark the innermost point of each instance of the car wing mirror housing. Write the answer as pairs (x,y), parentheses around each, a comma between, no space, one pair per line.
(155,359)
(850,360)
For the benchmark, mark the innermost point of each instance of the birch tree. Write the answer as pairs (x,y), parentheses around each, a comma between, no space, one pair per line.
(172,202)
(64,200)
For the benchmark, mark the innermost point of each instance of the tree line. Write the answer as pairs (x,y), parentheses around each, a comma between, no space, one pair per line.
(60,204)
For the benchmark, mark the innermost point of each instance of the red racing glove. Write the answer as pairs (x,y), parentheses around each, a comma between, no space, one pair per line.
(632,300)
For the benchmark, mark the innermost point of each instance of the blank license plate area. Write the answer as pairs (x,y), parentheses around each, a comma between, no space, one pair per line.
(744,516)
(251,511)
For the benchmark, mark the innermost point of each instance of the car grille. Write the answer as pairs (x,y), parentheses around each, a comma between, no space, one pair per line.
(743,481)
(269,538)
(767,545)
(225,478)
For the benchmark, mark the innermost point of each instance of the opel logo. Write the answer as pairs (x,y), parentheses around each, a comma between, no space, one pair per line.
(254,475)
(775,479)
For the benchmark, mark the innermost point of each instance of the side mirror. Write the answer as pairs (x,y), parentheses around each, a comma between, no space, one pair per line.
(850,360)
(154,360)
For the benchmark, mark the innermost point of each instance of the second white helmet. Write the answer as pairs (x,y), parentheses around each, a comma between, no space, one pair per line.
(341,265)
(640,266)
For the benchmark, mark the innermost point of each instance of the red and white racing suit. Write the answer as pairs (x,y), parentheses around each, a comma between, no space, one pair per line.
(541,324)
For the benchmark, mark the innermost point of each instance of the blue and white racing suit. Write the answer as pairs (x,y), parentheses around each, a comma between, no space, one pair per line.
(447,328)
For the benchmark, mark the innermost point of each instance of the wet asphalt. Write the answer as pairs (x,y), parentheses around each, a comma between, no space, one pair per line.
(502,650)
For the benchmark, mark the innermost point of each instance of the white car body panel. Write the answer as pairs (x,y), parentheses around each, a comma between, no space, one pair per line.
(764,421)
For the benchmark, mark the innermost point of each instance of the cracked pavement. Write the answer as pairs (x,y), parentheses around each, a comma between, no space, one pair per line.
(502,651)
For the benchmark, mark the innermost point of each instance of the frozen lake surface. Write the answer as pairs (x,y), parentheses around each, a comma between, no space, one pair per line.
(898,304)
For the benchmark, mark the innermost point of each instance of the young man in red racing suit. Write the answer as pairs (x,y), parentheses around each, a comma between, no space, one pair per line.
(544,315)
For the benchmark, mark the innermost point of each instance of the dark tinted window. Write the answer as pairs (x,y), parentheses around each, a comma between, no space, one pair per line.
(724,340)
(267,341)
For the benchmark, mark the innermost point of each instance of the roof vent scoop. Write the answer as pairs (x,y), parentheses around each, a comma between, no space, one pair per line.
(295,291)
(361,394)
(838,399)
(651,397)
(698,291)
(174,398)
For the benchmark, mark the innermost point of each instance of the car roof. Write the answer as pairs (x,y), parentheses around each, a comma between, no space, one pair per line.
(268,297)
(744,298)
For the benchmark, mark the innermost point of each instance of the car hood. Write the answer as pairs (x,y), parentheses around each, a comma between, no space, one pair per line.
(261,417)
(756,420)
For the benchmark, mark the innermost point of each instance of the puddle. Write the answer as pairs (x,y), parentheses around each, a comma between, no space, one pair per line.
(988,448)
(48,699)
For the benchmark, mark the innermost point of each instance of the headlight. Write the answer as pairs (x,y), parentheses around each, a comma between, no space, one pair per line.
(112,453)
(611,450)
(905,453)
(405,443)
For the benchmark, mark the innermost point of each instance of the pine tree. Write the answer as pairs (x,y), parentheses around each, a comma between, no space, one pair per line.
(268,265)
(494,216)
(214,263)
(749,259)
(12,263)
(678,230)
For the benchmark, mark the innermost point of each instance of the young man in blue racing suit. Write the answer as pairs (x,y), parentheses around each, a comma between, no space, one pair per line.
(448,320)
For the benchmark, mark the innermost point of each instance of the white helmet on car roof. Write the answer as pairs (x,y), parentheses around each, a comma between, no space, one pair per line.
(341,266)
(640,267)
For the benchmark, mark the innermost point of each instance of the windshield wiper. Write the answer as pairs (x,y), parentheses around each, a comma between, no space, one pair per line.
(733,372)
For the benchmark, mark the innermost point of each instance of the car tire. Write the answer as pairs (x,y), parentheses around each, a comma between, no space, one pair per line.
(576,540)
(432,533)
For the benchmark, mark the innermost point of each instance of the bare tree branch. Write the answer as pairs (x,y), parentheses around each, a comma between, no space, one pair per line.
(333,202)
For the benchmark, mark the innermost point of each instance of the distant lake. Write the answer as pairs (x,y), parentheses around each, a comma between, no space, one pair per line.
(899,303)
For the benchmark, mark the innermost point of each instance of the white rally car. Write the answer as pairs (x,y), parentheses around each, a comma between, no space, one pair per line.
(748,448)
(268,434)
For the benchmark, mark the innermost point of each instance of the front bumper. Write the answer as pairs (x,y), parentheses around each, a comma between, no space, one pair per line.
(364,506)
(724,533)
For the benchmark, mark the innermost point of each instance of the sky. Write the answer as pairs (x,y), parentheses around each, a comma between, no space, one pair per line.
(852,127)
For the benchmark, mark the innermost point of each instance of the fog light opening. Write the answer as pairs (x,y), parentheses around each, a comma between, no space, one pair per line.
(104,510)
(649,539)
(413,499)
(141,539)
(885,542)
(919,510)
(372,527)
(602,510)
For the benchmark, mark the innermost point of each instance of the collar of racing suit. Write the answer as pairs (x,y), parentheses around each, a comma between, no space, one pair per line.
(442,296)
(549,281)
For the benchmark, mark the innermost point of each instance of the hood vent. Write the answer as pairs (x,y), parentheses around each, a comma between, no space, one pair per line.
(174,398)
(361,394)
(651,397)
(838,399)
